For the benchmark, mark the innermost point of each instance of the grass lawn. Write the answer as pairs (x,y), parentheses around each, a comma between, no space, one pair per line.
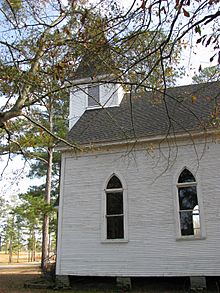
(23,257)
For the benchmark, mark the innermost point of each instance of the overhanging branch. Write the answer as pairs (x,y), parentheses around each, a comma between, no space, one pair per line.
(51,133)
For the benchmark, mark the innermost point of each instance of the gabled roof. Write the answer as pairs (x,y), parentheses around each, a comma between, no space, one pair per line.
(182,109)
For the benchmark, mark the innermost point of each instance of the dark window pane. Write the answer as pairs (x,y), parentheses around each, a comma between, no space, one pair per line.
(114,203)
(186,176)
(115,227)
(186,223)
(93,95)
(187,197)
(114,182)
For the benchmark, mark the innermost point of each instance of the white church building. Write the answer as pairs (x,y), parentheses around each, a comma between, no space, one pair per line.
(141,194)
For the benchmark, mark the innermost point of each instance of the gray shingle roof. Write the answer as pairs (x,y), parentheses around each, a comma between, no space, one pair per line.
(183,109)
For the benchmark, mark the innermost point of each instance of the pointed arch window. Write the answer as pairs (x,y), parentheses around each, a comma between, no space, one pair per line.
(114,209)
(189,213)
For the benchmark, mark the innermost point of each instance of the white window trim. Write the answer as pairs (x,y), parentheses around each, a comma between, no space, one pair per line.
(125,211)
(179,236)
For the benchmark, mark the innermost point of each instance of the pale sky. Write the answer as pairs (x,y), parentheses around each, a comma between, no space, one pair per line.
(14,180)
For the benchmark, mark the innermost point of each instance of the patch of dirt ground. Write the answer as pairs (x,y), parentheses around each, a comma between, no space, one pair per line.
(14,277)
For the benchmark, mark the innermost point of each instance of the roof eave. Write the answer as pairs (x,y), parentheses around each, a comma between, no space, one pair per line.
(98,78)
(153,138)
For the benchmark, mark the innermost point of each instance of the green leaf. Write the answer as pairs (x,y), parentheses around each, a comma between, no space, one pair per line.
(15,4)
(198,30)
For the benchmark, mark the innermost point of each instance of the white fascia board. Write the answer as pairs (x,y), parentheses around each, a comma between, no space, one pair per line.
(99,78)
(156,138)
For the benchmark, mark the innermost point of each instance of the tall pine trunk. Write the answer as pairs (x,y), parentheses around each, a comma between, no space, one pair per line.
(46,220)
(45,236)
(10,249)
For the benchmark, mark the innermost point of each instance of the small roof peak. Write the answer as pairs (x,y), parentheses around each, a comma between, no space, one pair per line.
(96,61)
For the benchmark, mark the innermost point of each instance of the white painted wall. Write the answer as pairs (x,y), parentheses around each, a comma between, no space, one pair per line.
(153,247)
(110,95)
(77,104)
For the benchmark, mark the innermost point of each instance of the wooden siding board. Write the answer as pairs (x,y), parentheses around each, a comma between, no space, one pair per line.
(152,249)
(77,105)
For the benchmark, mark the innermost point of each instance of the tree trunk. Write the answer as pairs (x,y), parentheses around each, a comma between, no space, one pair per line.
(34,246)
(45,236)
(6,247)
(18,255)
(18,252)
(49,244)
(30,245)
(29,255)
(10,249)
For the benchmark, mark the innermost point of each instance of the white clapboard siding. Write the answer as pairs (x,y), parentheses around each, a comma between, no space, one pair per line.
(77,104)
(153,247)
(110,95)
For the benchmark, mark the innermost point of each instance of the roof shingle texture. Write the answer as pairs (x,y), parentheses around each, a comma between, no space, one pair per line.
(181,109)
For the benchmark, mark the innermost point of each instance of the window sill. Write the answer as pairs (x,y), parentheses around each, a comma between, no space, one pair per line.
(114,241)
(94,107)
(190,238)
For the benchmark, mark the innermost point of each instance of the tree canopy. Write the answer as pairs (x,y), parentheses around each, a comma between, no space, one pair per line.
(208,74)
(42,43)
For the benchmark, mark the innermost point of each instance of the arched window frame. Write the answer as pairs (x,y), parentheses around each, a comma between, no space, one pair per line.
(104,237)
(202,234)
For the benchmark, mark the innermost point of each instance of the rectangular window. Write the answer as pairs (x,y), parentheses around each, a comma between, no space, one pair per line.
(93,96)
(115,227)
(114,203)
(186,223)
(114,215)
(187,202)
